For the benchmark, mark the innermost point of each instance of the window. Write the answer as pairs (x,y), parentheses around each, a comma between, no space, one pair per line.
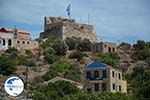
(18,41)
(89,90)
(109,49)
(104,74)
(23,42)
(3,42)
(113,49)
(96,74)
(0,41)
(28,42)
(113,74)
(88,75)
(104,87)
(113,86)
(96,86)
(119,88)
(119,75)
(105,45)
(9,42)
(96,48)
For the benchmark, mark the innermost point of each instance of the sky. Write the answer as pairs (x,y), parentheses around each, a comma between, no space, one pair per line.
(113,20)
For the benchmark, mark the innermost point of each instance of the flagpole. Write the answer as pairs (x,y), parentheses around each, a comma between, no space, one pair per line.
(88,18)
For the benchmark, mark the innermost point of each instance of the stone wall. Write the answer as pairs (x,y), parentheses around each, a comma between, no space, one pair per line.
(21,35)
(79,30)
(52,30)
(104,47)
(25,44)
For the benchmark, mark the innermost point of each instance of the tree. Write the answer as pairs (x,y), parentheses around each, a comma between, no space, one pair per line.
(142,50)
(7,65)
(64,69)
(71,42)
(54,91)
(49,51)
(50,58)
(77,55)
(60,47)
(48,43)
(140,80)
(125,45)
(84,45)
(140,45)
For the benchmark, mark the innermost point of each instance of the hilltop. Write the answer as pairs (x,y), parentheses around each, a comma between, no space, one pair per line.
(53,59)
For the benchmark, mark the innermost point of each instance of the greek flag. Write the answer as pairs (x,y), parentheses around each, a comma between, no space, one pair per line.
(68,10)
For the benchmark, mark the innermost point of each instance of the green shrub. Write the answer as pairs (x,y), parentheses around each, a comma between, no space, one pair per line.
(63,68)
(11,50)
(142,50)
(28,52)
(71,42)
(60,47)
(49,51)
(83,45)
(48,43)
(109,58)
(125,45)
(50,58)
(7,65)
(54,91)
(77,55)
(101,96)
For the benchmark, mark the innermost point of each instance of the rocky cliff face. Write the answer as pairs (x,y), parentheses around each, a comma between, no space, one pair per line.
(128,62)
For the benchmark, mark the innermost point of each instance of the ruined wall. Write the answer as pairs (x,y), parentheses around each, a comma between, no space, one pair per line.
(52,30)
(79,30)
(104,47)
(63,28)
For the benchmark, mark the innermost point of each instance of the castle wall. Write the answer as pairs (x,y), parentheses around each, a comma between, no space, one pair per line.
(63,28)
(52,30)
(79,30)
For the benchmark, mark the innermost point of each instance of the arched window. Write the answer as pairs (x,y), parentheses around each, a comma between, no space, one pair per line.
(9,42)
(109,49)
(3,42)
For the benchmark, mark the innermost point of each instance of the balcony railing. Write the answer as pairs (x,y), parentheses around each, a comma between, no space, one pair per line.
(96,78)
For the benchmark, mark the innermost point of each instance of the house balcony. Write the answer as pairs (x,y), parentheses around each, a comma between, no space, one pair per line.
(97,80)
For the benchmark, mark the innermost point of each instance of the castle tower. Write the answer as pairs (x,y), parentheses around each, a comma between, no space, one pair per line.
(63,28)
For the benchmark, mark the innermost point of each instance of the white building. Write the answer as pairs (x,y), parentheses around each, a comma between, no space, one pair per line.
(6,40)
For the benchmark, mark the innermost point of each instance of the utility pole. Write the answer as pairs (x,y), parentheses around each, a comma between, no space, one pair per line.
(27,82)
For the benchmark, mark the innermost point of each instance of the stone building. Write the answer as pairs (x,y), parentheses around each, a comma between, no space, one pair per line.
(62,28)
(16,38)
(104,47)
(99,77)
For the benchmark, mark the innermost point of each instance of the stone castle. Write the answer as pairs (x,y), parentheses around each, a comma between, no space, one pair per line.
(63,28)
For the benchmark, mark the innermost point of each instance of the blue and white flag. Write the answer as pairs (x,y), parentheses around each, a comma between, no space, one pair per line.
(68,10)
